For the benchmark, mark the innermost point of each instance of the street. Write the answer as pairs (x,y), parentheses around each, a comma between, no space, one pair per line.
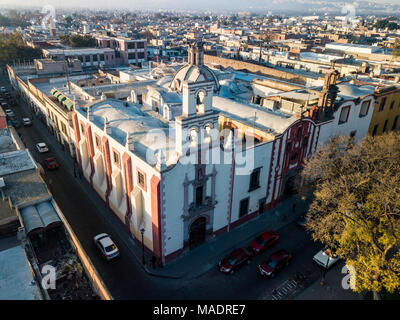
(125,277)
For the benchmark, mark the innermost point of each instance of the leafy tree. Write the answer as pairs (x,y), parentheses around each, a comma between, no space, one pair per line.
(396,50)
(12,21)
(356,209)
(68,21)
(385,23)
(78,41)
(13,48)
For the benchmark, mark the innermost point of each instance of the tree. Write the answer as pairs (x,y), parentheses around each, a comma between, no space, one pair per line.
(68,21)
(356,209)
(396,50)
(385,23)
(13,48)
(78,41)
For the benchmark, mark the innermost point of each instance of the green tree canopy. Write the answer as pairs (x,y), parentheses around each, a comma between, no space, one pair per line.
(396,50)
(385,23)
(13,48)
(78,41)
(356,209)
(12,20)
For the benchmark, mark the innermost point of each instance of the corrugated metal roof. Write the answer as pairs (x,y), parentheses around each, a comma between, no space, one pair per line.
(31,219)
(39,216)
(47,213)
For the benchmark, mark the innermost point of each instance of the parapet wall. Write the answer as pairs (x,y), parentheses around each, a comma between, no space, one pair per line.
(255,68)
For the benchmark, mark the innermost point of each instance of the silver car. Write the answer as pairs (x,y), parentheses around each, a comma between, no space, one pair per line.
(106,246)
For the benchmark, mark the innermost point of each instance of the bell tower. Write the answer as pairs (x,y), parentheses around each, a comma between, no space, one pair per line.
(327,97)
(197,114)
(196,54)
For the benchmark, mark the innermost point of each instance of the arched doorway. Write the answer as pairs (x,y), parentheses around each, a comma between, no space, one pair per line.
(290,187)
(197,232)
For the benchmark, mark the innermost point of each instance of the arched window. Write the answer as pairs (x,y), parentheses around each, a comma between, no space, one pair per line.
(193,137)
(200,101)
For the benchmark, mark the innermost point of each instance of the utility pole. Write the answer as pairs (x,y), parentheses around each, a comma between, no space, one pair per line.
(66,73)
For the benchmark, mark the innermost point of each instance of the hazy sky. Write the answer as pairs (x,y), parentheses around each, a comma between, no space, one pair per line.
(173,4)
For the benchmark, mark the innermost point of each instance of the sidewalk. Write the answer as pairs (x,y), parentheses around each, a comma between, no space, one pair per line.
(205,257)
(195,262)
(332,289)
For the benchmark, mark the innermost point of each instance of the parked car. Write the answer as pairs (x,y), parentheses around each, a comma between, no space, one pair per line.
(326,258)
(3,89)
(9,112)
(106,246)
(237,258)
(275,263)
(51,163)
(26,121)
(15,123)
(264,241)
(42,147)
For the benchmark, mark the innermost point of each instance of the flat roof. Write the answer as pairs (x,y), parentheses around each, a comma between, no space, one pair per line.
(16,279)
(351,91)
(78,51)
(132,120)
(16,161)
(25,187)
(7,143)
(252,114)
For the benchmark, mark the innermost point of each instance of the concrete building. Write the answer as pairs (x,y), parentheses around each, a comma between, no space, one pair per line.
(89,57)
(36,233)
(188,164)
(127,51)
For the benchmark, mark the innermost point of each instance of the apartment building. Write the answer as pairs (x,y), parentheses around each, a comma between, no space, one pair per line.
(127,51)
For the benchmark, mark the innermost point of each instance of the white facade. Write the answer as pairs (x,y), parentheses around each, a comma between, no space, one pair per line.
(183,198)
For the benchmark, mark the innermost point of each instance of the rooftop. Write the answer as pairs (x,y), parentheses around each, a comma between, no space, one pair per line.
(252,114)
(77,51)
(132,120)
(16,280)
(25,187)
(6,142)
(16,161)
(351,91)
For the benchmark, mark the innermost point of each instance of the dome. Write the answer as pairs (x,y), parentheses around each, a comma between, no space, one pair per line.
(193,73)
(195,70)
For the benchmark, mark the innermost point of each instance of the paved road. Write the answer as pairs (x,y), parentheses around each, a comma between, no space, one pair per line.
(125,277)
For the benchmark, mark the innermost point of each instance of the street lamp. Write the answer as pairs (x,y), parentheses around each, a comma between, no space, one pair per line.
(142,232)
(326,267)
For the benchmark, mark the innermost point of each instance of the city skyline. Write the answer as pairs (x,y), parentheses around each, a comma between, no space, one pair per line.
(235,5)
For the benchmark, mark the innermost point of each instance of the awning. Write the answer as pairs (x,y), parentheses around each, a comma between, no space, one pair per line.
(57,94)
(39,216)
(69,104)
(61,97)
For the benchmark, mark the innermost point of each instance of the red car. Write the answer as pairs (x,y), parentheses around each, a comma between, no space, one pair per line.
(236,259)
(264,241)
(51,163)
(275,263)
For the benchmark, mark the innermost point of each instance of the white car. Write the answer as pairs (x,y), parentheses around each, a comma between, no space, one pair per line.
(26,121)
(9,112)
(323,259)
(41,146)
(3,89)
(106,246)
